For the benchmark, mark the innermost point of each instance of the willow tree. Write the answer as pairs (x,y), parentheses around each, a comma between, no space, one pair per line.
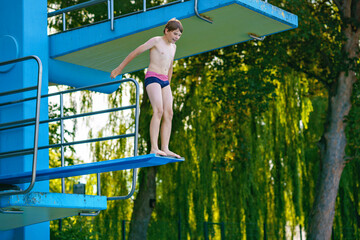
(240,133)
(326,47)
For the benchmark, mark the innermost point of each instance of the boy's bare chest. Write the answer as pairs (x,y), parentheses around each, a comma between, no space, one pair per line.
(164,52)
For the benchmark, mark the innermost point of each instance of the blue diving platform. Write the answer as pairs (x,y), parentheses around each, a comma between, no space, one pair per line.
(98,47)
(148,160)
(36,207)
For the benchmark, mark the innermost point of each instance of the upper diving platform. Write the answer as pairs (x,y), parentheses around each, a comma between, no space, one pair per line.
(98,47)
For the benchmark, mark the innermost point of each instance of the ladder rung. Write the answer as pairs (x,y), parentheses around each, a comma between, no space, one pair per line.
(17,123)
(18,91)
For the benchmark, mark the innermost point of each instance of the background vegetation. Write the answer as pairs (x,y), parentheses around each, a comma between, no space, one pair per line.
(249,120)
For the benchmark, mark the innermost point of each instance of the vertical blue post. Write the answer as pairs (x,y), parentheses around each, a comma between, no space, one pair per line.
(23,32)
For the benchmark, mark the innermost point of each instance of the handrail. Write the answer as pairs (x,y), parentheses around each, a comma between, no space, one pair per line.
(206,19)
(133,183)
(110,10)
(256,37)
(58,93)
(135,150)
(27,151)
(84,5)
(37,120)
(29,122)
(18,91)
(76,7)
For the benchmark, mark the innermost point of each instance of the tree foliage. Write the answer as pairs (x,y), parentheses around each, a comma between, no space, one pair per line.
(249,120)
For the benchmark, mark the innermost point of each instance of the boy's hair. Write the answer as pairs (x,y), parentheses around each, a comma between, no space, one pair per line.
(173,24)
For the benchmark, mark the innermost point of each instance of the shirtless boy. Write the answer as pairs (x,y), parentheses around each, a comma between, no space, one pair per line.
(157,83)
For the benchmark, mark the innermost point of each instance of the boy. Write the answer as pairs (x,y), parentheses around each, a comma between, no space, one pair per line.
(157,83)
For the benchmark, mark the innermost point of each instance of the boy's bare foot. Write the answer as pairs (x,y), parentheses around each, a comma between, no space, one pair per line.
(171,154)
(158,152)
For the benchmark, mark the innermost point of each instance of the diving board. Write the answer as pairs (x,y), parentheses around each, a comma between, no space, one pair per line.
(96,46)
(35,207)
(148,160)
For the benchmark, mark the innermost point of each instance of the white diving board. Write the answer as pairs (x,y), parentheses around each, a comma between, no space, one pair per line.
(148,160)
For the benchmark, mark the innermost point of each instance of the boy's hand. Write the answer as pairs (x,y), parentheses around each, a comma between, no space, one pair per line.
(114,73)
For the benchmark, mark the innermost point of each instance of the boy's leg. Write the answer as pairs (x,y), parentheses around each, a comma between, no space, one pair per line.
(154,93)
(167,100)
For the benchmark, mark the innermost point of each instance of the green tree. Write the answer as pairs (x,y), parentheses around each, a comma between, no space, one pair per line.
(326,48)
(242,121)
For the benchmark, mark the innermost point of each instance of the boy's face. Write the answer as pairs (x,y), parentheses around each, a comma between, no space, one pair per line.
(173,36)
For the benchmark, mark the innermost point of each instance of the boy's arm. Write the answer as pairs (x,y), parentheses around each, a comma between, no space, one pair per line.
(171,67)
(142,48)
(170,71)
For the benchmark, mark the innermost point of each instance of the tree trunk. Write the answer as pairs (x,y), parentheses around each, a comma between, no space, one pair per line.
(144,204)
(322,215)
(333,159)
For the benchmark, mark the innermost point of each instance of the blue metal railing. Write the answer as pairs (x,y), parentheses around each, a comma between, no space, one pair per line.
(110,4)
(110,8)
(62,118)
(33,121)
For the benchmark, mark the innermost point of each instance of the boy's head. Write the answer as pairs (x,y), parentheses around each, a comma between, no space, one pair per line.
(173,24)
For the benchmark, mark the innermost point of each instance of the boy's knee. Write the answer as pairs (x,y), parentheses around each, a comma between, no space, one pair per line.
(168,114)
(158,112)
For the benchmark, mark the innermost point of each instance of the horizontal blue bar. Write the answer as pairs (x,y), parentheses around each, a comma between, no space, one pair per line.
(79,76)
